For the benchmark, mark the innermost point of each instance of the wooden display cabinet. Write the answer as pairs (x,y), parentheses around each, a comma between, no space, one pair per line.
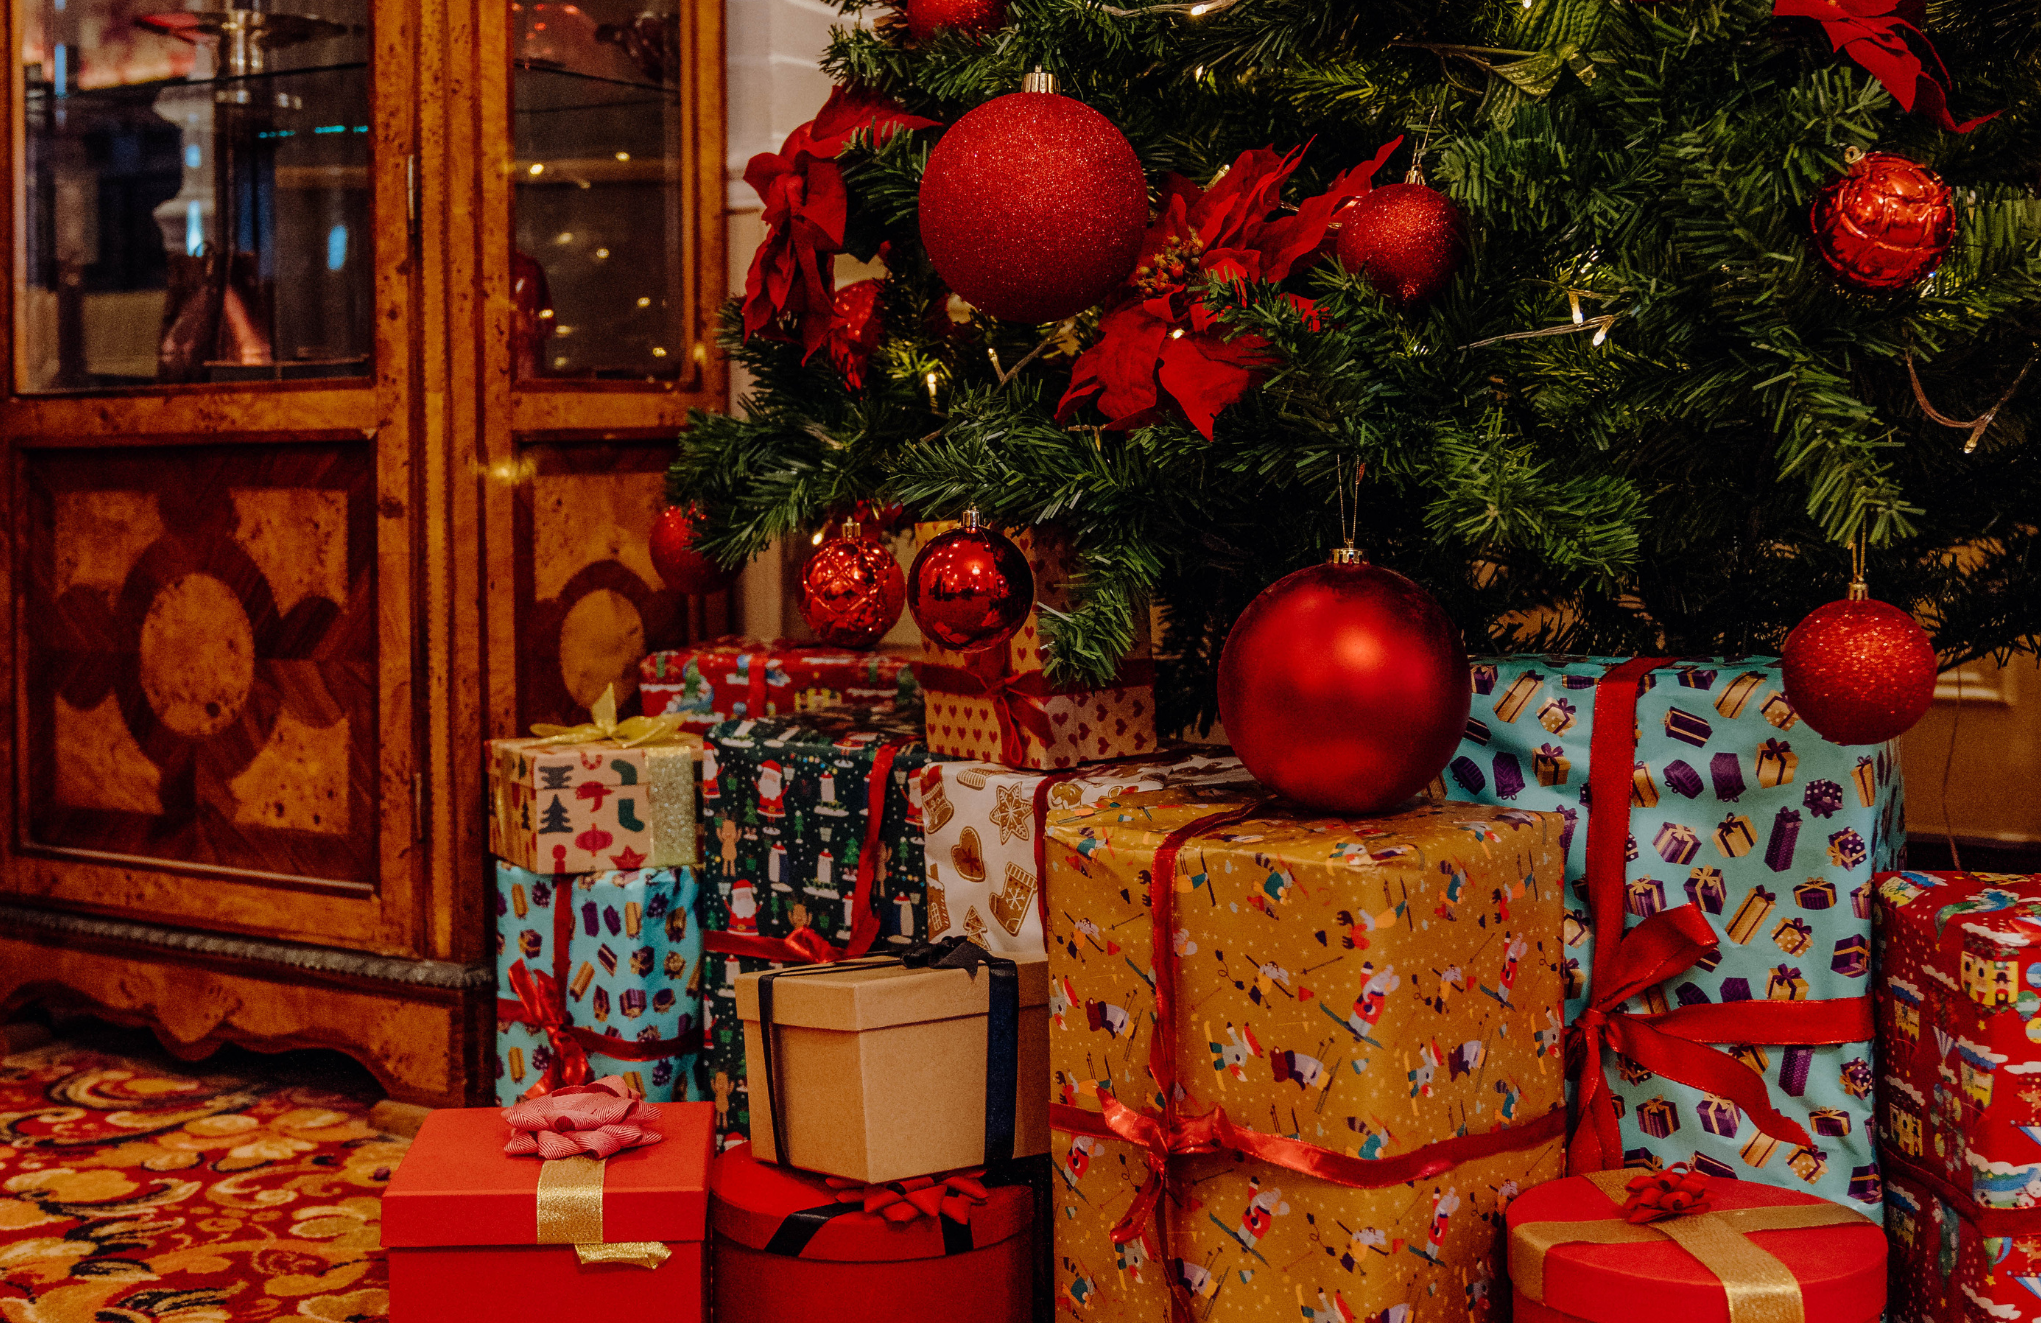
(317,479)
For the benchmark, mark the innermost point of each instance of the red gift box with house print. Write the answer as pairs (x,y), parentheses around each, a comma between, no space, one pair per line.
(998,704)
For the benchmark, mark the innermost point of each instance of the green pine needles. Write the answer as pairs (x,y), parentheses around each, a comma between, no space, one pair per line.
(1683,476)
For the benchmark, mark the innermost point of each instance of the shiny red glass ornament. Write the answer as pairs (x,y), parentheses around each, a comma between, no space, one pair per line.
(1033,207)
(1859,671)
(1344,687)
(925,18)
(852,590)
(1407,240)
(1885,225)
(684,569)
(970,588)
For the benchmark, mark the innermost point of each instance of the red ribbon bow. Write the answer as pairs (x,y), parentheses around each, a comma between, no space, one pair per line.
(1674,1192)
(538,997)
(952,1196)
(1674,1043)
(593,1120)
(1019,701)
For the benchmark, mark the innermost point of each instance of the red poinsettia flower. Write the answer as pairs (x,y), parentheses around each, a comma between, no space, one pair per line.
(1874,34)
(855,329)
(793,275)
(1157,336)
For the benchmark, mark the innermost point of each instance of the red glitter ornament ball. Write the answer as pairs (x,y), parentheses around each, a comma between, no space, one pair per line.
(684,569)
(1859,672)
(925,18)
(1407,240)
(970,588)
(1345,687)
(1885,225)
(852,590)
(1033,207)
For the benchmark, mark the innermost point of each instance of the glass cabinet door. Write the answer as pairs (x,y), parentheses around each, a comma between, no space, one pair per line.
(599,267)
(198,204)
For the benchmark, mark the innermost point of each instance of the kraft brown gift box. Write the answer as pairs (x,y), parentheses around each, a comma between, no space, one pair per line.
(882,1069)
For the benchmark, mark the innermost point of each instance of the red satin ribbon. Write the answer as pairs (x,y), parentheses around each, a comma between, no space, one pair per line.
(540,1004)
(806,946)
(952,1195)
(1985,1221)
(1672,1043)
(1019,702)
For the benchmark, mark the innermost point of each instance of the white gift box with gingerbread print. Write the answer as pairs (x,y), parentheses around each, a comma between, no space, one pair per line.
(982,822)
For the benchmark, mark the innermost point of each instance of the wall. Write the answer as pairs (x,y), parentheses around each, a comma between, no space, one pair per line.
(1973,765)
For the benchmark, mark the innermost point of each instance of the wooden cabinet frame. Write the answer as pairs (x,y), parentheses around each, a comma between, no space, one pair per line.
(450,437)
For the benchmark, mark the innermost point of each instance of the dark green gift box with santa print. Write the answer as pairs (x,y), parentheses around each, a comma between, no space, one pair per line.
(1735,807)
(813,843)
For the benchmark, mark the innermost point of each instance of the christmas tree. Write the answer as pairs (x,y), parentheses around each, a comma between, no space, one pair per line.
(1643,411)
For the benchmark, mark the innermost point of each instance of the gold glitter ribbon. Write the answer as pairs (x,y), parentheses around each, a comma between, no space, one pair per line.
(630,733)
(1760,1288)
(670,758)
(570,1213)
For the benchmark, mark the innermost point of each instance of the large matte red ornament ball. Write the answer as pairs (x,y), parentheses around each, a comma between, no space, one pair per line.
(684,569)
(1859,672)
(1407,240)
(1885,225)
(1344,687)
(852,591)
(970,588)
(1033,207)
(925,18)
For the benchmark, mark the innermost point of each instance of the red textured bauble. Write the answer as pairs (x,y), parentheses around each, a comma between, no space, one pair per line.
(1033,207)
(970,588)
(1885,225)
(1859,672)
(1344,687)
(925,18)
(852,591)
(1407,240)
(684,569)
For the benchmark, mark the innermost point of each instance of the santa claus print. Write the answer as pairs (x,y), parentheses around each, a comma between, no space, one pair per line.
(742,907)
(772,789)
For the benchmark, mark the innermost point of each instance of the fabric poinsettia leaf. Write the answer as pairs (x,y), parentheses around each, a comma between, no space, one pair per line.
(1872,33)
(1204,374)
(1288,241)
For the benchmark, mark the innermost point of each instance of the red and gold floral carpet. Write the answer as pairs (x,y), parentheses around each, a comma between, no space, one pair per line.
(133,1192)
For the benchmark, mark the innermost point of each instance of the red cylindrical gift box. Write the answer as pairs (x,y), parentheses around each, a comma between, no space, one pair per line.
(1840,1266)
(784,1245)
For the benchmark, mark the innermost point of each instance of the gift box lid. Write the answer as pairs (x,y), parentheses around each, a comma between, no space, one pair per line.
(1840,1266)
(853,997)
(457,1186)
(780,1210)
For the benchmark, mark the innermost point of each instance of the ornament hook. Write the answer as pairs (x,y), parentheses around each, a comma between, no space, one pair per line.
(1860,588)
(1348,554)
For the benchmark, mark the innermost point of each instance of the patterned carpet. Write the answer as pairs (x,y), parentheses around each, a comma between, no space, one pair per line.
(134,1190)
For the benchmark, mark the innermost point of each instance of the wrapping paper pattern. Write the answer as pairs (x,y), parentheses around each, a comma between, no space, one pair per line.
(1370,987)
(982,825)
(592,807)
(1959,1024)
(787,805)
(713,682)
(1081,726)
(629,967)
(1736,806)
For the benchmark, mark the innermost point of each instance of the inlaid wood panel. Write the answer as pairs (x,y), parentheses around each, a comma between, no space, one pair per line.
(589,603)
(198,643)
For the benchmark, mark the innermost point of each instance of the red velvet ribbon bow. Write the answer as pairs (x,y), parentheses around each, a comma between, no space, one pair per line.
(1674,1192)
(952,1196)
(1019,701)
(592,1120)
(538,997)
(1674,1043)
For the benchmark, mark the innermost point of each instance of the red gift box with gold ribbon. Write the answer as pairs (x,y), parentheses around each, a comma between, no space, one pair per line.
(998,704)
(789,1244)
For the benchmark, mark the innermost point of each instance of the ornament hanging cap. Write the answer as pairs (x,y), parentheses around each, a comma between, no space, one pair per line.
(971,519)
(1040,80)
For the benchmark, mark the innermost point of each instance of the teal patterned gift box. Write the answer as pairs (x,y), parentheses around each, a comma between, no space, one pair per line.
(1735,807)
(797,860)
(609,962)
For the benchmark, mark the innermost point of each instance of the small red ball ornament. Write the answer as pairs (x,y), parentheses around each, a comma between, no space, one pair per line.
(852,589)
(925,18)
(1885,225)
(1859,671)
(1033,206)
(1406,239)
(684,569)
(970,588)
(1344,686)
